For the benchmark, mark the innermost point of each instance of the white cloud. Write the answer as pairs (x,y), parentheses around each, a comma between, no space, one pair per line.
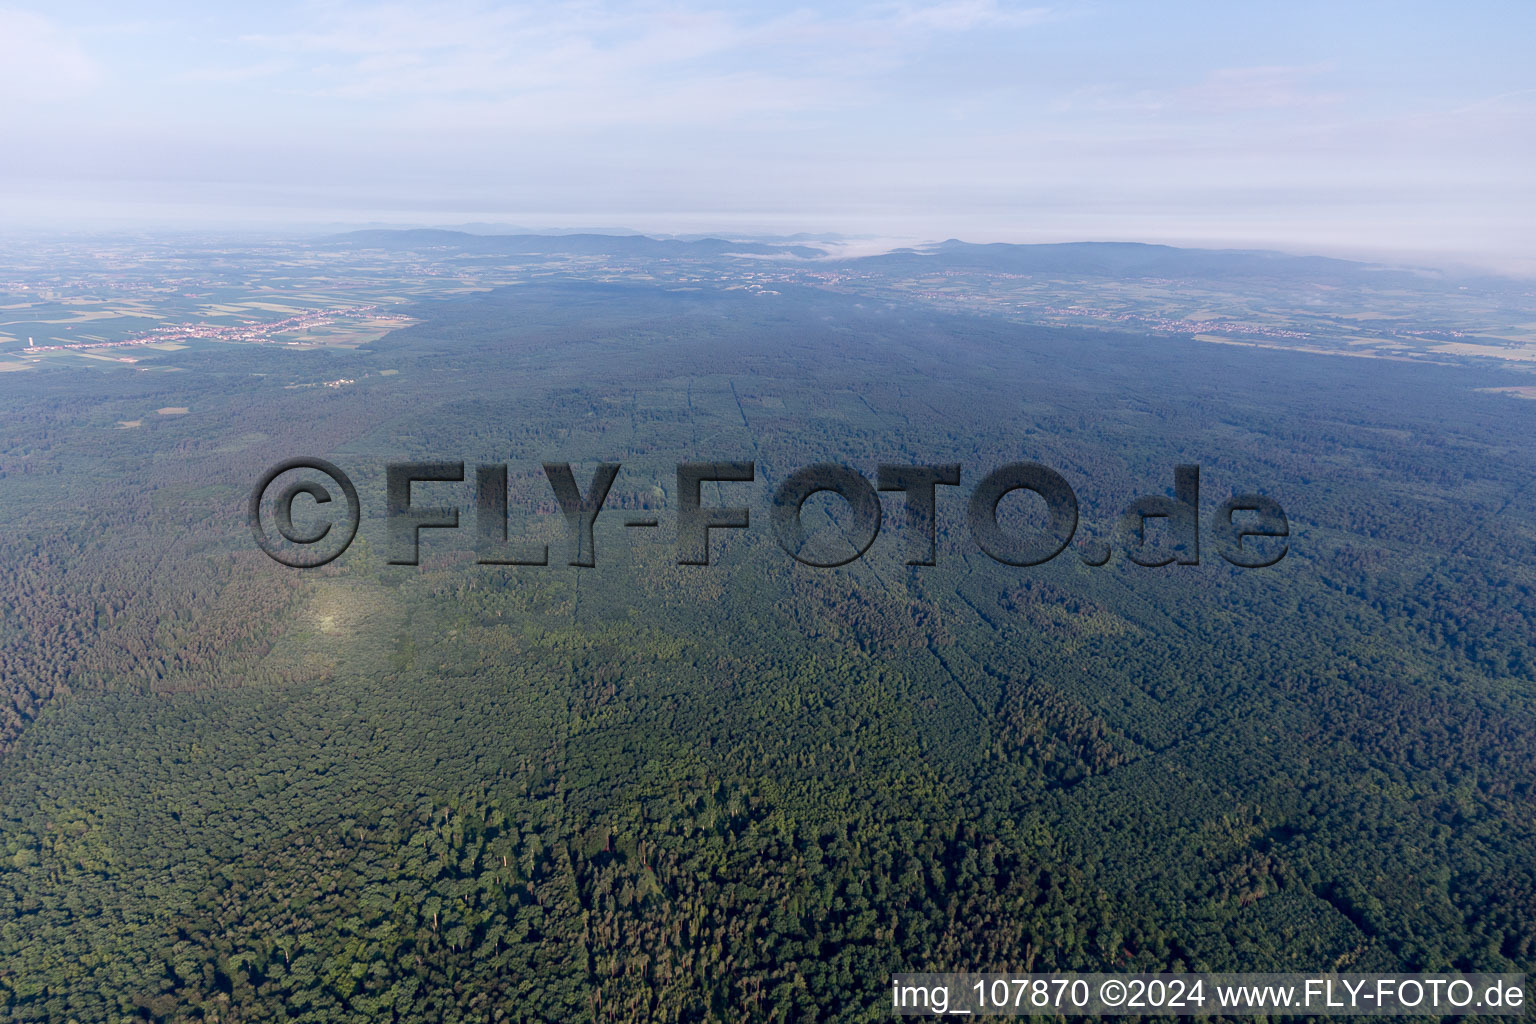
(39,61)
(1258,88)
(610,63)
(1220,91)
(965,15)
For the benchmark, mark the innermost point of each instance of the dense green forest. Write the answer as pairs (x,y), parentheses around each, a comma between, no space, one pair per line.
(235,791)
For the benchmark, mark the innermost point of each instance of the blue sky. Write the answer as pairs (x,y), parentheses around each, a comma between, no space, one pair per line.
(1354,127)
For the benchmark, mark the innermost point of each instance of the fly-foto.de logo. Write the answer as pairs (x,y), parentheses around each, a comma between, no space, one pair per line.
(1246,530)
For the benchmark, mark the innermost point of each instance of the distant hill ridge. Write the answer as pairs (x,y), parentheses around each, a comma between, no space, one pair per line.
(1078,259)
(1144,260)
(577,244)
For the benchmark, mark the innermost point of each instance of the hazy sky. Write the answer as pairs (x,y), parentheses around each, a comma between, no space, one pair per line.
(1340,125)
